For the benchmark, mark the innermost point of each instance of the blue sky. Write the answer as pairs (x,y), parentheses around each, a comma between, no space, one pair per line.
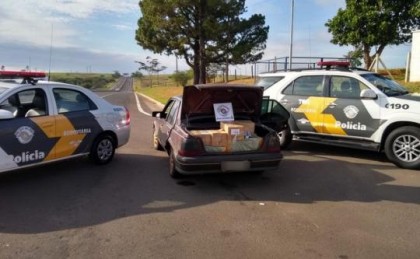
(98,35)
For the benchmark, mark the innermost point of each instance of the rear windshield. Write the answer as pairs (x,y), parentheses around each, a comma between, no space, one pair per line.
(266,82)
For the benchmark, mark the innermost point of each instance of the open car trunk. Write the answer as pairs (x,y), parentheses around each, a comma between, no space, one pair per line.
(240,132)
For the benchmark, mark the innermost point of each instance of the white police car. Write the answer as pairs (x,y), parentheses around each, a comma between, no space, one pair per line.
(349,108)
(45,121)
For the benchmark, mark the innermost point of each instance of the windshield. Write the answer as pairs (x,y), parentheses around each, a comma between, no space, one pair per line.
(386,85)
(266,82)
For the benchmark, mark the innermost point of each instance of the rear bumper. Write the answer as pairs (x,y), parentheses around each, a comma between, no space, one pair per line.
(227,163)
(123,135)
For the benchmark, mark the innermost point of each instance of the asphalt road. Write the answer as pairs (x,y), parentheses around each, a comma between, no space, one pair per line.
(322,202)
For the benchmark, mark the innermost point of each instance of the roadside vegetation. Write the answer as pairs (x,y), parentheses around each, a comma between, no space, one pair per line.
(166,87)
(87,80)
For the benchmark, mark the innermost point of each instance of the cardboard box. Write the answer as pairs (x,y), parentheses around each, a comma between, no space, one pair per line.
(240,127)
(248,126)
(219,138)
(205,136)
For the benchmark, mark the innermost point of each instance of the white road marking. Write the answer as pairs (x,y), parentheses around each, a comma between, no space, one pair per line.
(139,106)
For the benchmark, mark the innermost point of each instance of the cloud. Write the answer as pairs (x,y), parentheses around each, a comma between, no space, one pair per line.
(33,22)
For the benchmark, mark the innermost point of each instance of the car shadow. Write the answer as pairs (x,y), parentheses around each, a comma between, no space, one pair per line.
(73,194)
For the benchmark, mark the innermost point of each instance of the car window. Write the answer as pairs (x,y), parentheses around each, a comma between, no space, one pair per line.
(345,87)
(171,118)
(26,103)
(167,109)
(68,100)
(266,82)
(386,85)
(274,107)
(306,86)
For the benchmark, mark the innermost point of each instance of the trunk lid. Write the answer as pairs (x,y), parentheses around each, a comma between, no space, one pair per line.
(198,100)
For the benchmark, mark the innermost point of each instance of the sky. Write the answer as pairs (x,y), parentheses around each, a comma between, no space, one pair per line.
(98,35)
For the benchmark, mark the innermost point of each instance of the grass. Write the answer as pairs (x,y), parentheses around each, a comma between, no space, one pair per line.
(167,88)
(88,80)
(55,75)
(160,93)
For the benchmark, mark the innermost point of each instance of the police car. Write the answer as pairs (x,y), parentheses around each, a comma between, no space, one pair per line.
(43,121)
(347,107)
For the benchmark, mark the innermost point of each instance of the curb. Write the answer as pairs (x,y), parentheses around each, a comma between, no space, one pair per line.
(151,99)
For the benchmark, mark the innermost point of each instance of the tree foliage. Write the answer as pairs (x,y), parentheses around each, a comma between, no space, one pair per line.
(151,66)
(374,24)
(202,32)
(355,57)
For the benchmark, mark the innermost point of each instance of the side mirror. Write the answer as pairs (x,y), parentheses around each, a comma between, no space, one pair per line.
(368,94)
(6,115)
(157,114)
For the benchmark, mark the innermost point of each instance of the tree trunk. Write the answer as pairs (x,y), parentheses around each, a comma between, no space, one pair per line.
(378,52)
(366,56)
(202,42)
(227,72)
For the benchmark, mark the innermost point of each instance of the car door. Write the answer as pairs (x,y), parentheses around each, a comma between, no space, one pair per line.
(27,135)
(304,99)
(274,115)
(347,114)
(166,120)
(77,126)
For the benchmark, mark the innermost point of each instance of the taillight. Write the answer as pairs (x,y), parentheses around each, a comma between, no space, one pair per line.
(191,147)
(127,116)
(273,144)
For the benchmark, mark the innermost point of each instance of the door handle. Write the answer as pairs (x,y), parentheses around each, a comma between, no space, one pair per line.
(332,105)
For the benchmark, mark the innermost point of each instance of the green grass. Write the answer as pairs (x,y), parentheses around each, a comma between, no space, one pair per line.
(56,75)
(88,80)
(165,88)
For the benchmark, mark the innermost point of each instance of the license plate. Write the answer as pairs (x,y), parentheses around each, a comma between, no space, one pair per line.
(235,166)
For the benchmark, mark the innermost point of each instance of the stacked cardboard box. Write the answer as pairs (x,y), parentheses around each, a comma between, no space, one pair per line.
(231,137)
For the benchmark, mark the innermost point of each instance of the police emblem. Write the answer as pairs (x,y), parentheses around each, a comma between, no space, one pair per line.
(24,134)
(223,110)
(351,111)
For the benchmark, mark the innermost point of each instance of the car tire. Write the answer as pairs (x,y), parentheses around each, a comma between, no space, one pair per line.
(172,168)
(156,144)
(285,137)
(103,149)
(402,147)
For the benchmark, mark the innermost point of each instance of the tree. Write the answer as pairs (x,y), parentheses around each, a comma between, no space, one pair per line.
(137,74)
(116,74)
(369,24)
(152,66)
(181,77)
(201,31)
(355,56)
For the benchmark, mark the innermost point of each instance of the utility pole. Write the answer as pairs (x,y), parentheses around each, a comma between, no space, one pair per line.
(291,34)
(49,67)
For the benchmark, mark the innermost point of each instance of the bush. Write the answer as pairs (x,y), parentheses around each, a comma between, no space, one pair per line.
(181,78)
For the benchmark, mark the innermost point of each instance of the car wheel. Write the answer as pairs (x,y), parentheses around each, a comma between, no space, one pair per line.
(156,144)
(402,147)
(172,169)
(285,137)
(103,149)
